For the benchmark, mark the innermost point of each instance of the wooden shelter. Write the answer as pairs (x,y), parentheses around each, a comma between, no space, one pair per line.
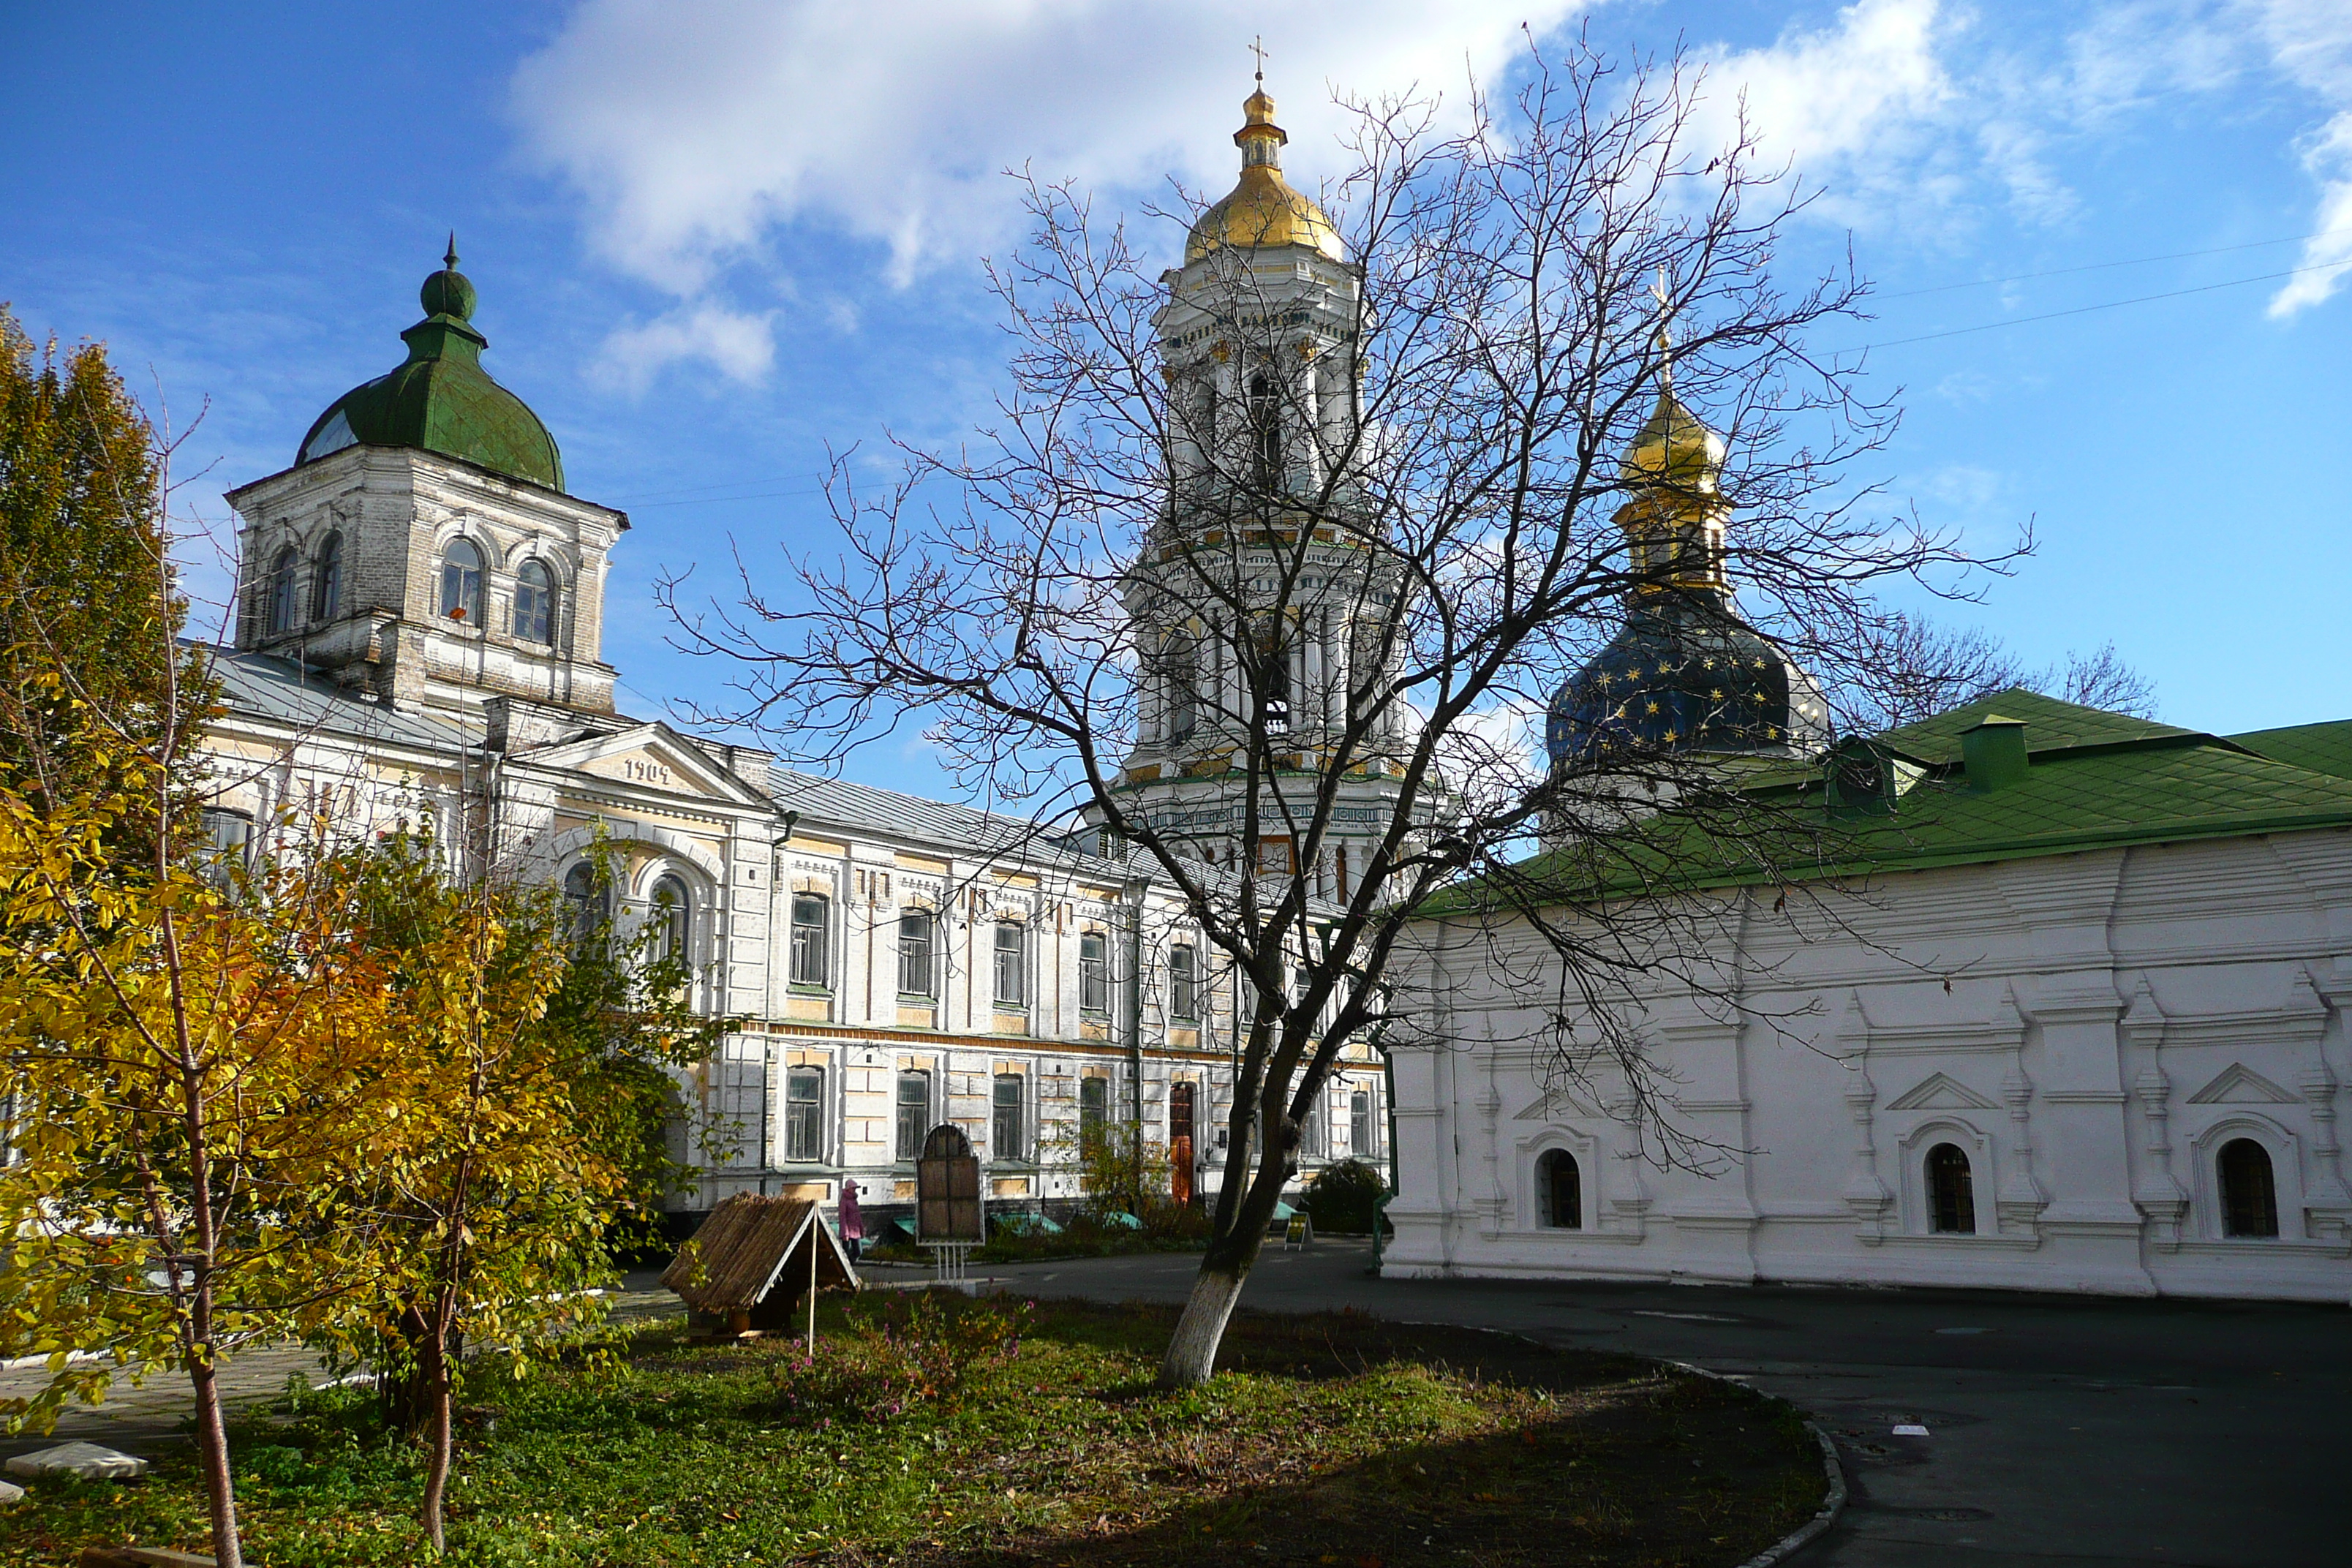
(747,1264)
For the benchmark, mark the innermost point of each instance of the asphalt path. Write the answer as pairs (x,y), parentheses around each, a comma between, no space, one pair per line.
(2060,1430)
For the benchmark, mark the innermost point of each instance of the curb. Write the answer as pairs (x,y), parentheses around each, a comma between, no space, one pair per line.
(1832,1503)
(1832,1506)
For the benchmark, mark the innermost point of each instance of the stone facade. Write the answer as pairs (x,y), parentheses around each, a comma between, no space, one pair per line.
(2091,1031)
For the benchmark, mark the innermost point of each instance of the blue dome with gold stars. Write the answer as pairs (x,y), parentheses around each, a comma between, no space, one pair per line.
(1685,674)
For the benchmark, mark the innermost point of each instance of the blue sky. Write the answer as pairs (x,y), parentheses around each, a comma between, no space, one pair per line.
(711,238)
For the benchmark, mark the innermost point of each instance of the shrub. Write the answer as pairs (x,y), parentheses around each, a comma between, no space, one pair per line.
(1343,1197)
(916,1345)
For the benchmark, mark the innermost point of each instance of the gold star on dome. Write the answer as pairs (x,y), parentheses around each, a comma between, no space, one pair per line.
(1654,708)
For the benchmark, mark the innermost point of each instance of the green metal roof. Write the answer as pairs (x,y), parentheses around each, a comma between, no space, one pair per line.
(2322,748)
(442,400)
(2095,781)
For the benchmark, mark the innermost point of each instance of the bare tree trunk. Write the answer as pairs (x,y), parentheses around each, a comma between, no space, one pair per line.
(1192,1358)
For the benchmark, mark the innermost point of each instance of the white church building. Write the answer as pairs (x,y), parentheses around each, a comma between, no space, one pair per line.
(2061,1007)
(419,637)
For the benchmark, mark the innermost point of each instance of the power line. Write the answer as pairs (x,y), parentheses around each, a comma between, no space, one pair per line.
(2104,265)
(2106,305)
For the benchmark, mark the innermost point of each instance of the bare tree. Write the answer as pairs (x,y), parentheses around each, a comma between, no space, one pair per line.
(1910,668)
(1264,566)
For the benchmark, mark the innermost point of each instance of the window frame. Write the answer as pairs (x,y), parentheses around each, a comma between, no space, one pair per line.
(327,579)
(542,613)
(803,1116)
(280,612)
(1013,1150)
(1548,1165)
(1016,971)
(1184,984)
(1962,1205)
(903,1150)
(2227,1202)
(678,919)
(591,904)
(926,921)
(1093,972)
(1094,1120)
(1363,1137)
(811,943)
(455,584)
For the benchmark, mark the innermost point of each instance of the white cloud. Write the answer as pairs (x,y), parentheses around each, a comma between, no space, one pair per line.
(740,347)
(2310,43)
(1848,104)
(692,130)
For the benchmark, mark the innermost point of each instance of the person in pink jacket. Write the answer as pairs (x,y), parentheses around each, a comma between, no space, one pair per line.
(853,1228)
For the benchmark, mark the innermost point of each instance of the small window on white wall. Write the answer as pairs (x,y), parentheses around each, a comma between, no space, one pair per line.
(804,1113)
(671,912)
(1951,1192)
(534,604)
(2249,1189)
(1560,1191)
(461,583)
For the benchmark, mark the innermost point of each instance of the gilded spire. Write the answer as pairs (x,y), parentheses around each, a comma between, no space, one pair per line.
(1263,211)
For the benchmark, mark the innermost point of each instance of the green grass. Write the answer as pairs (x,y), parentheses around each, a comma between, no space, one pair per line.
(993,1434)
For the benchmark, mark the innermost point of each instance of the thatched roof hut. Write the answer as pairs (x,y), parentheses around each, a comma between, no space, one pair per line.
(750,1259)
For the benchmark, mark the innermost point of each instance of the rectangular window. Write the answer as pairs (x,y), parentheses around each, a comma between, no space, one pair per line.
(1183,983)
(1093,972)
(1012,965)
(1010,1142)
(914,1113)
(1094,1111)
(915,953)
(228,843)
(1360,1122)
(810,926)
(804,1114)
(1311,1141)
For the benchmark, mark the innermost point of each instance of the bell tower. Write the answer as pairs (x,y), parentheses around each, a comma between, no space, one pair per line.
(1262,599)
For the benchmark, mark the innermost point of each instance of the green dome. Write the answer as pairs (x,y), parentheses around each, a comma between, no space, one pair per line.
(442,400)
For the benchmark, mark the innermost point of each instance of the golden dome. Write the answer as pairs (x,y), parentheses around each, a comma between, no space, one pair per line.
(1262,210)
(1675,447)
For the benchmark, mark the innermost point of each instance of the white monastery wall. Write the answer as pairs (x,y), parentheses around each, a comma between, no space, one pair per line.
(2090,1031)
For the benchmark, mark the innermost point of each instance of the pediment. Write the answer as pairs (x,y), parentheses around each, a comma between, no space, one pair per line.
(651,757)
(1555,1105)
(2241,1085)
(1940,1091)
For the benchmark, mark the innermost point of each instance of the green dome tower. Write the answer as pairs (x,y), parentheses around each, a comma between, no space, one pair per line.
(442,400)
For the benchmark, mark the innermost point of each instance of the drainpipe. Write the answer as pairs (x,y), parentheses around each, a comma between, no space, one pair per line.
(1137,888)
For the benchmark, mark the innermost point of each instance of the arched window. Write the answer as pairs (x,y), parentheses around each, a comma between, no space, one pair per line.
(1179,665)
(1951,1192)
(584,894)
(672,908)
(1265,429)
(327,580)
(281,592)
(2249,1190)
(534,602)
(1559,1188)
(461,583)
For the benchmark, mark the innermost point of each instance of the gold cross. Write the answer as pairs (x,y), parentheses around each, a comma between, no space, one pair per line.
(1257,47)
(1659,292)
